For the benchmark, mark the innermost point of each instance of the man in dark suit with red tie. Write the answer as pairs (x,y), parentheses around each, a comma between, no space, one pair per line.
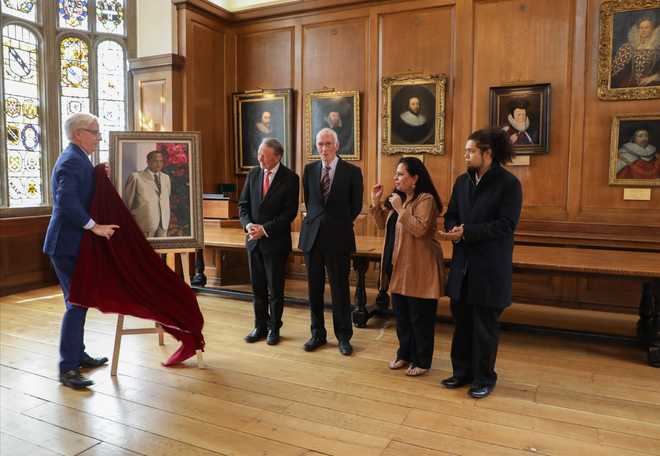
(333,199)
(268,204)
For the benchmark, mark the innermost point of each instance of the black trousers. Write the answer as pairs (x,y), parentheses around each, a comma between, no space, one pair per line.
(338,265)
(267,276)
(475,340)
(415,328)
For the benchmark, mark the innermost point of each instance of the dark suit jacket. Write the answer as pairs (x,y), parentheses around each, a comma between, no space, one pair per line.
(275,212)
(72,184)
(489,212)
(333,220)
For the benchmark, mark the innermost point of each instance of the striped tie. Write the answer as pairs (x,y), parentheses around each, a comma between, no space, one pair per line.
(325,182)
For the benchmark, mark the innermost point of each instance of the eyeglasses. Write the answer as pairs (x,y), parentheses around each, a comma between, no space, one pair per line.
(94,132)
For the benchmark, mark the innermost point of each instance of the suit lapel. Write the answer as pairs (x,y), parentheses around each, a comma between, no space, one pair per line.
(258,182)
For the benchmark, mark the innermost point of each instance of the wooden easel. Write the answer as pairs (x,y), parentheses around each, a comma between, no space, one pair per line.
(171,256)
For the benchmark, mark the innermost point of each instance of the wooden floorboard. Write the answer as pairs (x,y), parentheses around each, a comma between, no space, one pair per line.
(556,396)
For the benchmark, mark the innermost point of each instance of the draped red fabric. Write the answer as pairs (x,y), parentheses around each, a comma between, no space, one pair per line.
(125,275)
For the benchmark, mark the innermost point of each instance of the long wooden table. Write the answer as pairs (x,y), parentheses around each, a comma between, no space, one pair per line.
(565,260)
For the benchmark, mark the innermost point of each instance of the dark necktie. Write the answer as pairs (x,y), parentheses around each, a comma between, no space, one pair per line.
(157,180)
(325,182)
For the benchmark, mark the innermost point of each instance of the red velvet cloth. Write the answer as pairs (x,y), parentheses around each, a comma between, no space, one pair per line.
(125,275)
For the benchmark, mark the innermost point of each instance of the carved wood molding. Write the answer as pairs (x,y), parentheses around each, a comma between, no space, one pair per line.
(173,61)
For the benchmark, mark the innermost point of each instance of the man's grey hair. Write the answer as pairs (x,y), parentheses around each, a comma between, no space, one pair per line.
(273,144)
(78,121)
(329,131)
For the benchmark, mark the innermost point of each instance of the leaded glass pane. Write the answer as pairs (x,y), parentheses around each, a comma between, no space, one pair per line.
(74,79)
(110,16)
(25,9)
(73,14)
(111,92)
(20,60)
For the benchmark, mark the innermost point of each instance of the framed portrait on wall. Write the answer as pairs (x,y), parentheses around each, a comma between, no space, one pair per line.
(634,151)
(339,111)
(523,112)
(629,50)
(258,115)
(158,176)
(414,114)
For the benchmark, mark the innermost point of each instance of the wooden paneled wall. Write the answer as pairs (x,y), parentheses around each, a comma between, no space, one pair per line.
(478,44)
(22,264)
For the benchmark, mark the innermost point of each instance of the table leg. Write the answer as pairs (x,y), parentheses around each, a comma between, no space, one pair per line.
(360,313)
(648,326)
(382,300)
(199,279)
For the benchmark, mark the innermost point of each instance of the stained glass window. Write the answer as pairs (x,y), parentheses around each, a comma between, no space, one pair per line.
(111,92)
(73,14)
(74,79)
(110,16)
(20,59)
(25,9)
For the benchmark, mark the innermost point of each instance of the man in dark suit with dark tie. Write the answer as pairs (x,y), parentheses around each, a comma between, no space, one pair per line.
(268,204)
(333,199)
(72,185)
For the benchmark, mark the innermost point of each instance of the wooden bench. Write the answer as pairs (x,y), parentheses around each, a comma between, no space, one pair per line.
(571,261)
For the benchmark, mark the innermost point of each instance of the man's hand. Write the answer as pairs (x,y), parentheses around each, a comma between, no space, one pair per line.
(106,165)
(105,231)
(513,138)
(455,234)
(256,232)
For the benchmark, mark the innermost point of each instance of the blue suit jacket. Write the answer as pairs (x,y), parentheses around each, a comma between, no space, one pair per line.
(72,183)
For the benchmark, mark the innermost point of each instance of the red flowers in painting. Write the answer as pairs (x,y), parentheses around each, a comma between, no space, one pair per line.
(176,166)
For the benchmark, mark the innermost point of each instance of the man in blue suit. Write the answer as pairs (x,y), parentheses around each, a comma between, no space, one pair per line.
(72,185)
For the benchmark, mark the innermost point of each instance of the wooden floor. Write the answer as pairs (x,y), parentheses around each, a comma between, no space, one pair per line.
(554,397)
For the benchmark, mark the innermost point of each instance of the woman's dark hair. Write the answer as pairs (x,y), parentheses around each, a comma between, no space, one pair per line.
(424,184)
(497,141)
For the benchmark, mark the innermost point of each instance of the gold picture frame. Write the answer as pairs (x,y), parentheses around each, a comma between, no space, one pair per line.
(338,110)
(177,199)
(632,163)
(620,39)
(251,127)
(414,127)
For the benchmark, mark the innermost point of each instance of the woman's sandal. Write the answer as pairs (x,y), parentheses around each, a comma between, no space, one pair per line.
(414,371)
(398,364)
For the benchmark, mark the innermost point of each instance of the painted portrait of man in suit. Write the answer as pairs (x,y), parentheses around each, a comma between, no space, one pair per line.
(147,196)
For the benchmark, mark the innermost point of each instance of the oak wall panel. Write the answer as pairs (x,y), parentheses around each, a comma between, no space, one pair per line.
(525,42)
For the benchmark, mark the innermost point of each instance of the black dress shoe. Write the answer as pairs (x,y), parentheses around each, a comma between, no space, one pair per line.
(255,335)
(273,337)
(314,343)
(454,382)
(73,379)
(345,348)
(88,362)
(479,392)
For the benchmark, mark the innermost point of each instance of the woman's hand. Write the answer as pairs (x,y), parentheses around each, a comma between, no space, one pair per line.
(376,194)
(395,201)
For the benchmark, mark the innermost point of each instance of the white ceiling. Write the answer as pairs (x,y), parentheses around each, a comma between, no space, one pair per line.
(238,5)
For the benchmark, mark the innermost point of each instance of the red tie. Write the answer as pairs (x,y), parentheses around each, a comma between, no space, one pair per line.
(266,184)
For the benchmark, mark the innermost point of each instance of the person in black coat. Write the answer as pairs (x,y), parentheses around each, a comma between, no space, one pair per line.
(483,212)
(267,205)
(333,199)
